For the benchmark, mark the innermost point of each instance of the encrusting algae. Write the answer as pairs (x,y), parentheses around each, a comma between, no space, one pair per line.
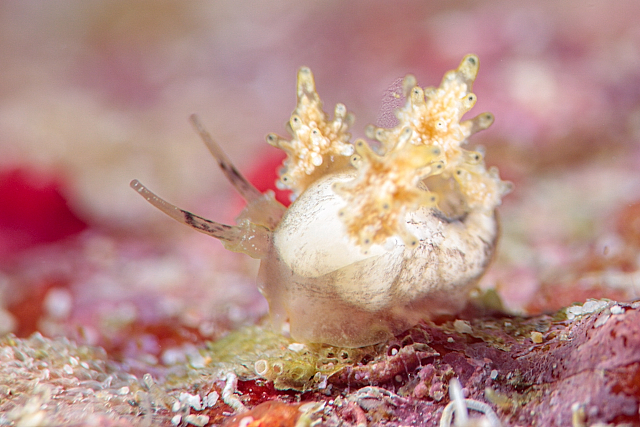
(378,237)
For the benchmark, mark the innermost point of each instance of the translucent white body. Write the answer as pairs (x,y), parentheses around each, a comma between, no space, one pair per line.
(329,291)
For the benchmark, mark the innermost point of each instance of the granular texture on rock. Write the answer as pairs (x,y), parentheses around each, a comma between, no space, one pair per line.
(580,366)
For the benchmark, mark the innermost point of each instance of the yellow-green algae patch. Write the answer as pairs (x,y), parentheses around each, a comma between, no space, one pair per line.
(258,352)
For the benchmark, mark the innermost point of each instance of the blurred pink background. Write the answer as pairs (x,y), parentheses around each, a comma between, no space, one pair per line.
(100,91)
(96,93)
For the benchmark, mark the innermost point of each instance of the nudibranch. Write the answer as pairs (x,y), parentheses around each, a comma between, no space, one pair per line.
(377,236)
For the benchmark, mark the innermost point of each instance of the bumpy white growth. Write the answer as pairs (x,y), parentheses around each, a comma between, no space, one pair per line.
(228,393)
(459,406)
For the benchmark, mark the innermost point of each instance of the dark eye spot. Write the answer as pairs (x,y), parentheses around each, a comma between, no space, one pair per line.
(471,60)
(366,359)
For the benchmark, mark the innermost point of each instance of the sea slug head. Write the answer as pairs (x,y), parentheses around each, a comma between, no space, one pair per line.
(377,237)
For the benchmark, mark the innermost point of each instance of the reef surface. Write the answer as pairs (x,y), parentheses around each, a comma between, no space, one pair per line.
(579,366)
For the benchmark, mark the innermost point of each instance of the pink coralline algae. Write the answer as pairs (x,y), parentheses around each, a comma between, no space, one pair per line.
(578,367)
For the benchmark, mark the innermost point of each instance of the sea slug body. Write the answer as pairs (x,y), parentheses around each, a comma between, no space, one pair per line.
(378,236)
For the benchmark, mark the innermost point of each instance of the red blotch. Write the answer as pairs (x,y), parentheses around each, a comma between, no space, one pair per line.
(267,414)
(626,380)
(259,391)
(265,174)
(28,311)
(153,338)
(33,211)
